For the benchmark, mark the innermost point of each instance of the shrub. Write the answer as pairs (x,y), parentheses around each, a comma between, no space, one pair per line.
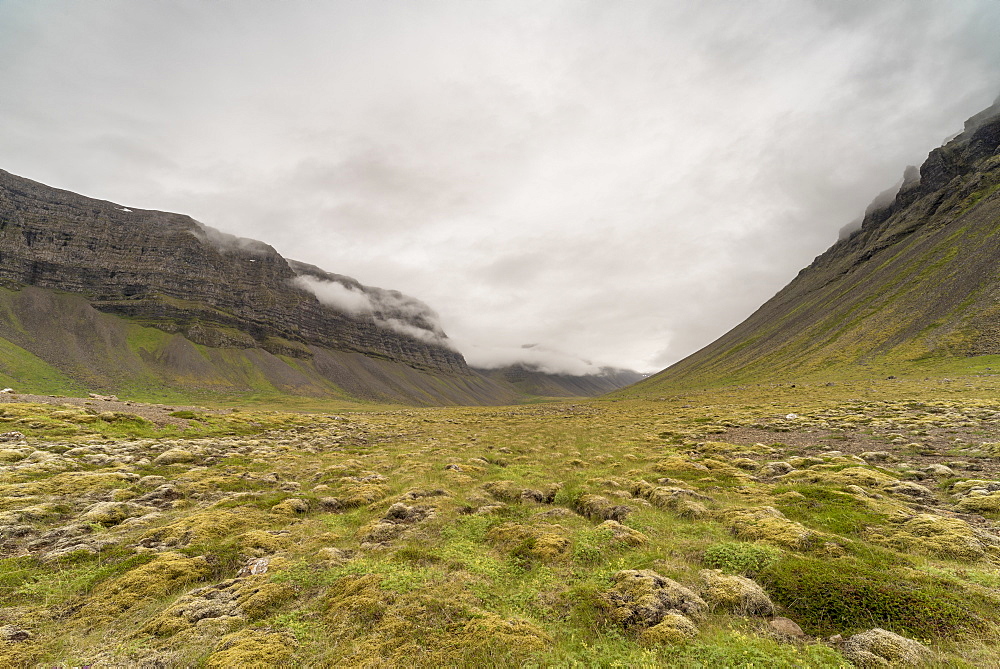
(740,557)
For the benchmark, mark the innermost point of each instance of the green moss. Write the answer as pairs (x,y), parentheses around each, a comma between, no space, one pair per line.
(208,526)
(673,629)
(597,507)
(362,494)
(929,534)
(829,510)
(733,594)
(989,504)
(643,598)
(527,543)
(769,525)
(505,491)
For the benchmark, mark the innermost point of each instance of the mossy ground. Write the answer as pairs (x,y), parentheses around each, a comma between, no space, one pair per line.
(492,536)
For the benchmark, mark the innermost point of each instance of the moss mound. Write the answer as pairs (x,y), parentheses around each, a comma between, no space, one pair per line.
(734,594)
(254,648)
(597,507)
(948,538)
(881,648)
(644,598)
(769,525)
(144,584)
(673,629)
(545,542)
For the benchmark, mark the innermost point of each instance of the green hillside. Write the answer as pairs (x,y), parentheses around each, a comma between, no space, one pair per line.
(915,291)
(56,343)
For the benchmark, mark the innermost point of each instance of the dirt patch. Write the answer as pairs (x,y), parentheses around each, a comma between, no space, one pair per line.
(936,447)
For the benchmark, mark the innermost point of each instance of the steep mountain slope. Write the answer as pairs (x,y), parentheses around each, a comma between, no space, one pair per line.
(919,281)
(100,296)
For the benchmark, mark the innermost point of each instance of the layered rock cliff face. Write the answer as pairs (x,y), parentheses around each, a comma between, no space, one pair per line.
(169,271)
(917,281)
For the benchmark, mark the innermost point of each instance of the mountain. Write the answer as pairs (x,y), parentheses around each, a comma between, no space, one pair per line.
(531,381)
(917,284)
(98,296)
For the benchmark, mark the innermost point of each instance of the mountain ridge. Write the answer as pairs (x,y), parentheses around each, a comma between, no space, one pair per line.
(98,296)
(139,263)
(917,281)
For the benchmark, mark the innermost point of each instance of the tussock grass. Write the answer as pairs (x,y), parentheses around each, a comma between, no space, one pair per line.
(494,536)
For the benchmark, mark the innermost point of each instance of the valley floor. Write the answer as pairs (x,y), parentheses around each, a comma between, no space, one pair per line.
(763,526)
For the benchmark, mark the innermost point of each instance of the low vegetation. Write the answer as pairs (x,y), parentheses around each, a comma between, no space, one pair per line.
(781,526)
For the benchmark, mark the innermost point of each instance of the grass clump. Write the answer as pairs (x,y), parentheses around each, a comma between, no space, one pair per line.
(439,624)
(740,650)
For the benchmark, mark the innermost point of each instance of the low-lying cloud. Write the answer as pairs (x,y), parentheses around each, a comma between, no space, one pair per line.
(229,243)
(345,299)
(882,201)
(386,308)
(530,356)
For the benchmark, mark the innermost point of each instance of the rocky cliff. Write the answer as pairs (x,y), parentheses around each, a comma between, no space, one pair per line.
(916,282)
(169,271)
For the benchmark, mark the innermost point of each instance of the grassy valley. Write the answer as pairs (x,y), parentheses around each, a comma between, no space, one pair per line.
(285,484)
(657,530)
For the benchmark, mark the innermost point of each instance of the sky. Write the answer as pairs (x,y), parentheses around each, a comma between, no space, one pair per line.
(606,183)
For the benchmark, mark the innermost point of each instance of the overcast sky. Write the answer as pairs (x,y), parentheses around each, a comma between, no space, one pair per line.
(620,181)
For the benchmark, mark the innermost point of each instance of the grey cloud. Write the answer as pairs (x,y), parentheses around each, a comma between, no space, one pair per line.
(622,181)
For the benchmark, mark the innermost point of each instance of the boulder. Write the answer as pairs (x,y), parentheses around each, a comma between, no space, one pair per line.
(786,628)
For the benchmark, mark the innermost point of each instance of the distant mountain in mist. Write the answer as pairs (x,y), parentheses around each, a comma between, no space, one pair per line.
(917,283)
(546,384)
